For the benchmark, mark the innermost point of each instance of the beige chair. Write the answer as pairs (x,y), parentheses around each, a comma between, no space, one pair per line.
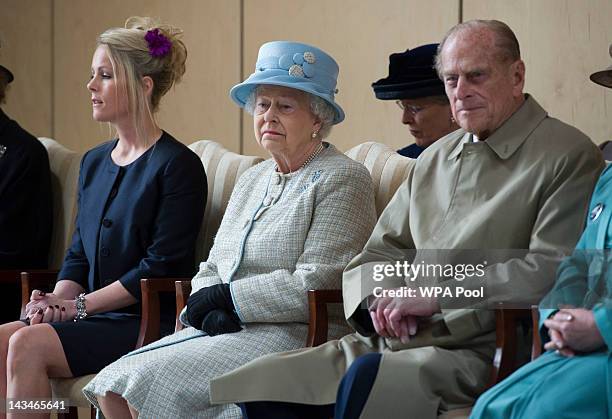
(223,168)
(64,165)
(387,168)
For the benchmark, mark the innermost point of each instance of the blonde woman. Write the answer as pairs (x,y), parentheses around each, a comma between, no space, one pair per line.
(141,202)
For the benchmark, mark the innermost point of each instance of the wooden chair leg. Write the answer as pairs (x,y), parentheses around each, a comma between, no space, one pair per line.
(536,348)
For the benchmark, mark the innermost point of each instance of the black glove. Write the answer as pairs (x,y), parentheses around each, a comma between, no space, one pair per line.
(203,301)
(218,322)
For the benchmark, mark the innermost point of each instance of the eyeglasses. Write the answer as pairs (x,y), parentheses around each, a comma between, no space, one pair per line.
(413,110)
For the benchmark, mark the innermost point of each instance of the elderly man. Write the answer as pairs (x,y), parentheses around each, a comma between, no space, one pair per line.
(574,376)
(512,178)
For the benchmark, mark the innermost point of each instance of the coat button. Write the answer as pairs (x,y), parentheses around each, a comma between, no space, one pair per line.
(277,179)
(107,223)
(267,201)
(104,251)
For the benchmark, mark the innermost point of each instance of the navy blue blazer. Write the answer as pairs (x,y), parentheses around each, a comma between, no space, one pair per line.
(413,151)
(136,221)
(26,207)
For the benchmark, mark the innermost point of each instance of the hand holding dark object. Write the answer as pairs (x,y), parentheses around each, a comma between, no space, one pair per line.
(201,302)
(219,322)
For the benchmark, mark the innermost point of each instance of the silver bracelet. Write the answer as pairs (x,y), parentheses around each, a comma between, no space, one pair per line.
(81,310)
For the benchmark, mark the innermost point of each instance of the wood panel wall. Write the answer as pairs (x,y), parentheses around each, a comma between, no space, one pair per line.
(197,108)
(360,35)
(562,43)
(26,39)
(49,43)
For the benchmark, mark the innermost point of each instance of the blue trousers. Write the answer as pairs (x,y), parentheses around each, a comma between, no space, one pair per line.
(353,393)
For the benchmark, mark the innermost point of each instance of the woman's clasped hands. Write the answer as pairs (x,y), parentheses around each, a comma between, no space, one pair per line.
(48,307)
(573,330)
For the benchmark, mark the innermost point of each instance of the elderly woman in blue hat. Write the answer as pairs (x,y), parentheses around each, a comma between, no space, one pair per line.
(292,224)
(416,88)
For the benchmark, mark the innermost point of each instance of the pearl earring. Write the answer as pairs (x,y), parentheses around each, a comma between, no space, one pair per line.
(314,135)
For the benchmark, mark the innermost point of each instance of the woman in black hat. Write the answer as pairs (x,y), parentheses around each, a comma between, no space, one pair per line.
(416,88)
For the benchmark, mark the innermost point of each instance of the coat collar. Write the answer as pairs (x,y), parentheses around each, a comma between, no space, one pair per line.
(513,133)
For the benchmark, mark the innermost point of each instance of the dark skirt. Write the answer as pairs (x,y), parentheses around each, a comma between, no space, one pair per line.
(97,341)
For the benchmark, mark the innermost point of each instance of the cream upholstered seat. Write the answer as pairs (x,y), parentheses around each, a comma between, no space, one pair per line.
(223,168)
(387,168)
(64,164)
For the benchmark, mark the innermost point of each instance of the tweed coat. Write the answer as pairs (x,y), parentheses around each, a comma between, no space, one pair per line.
(280,236)
(578,386)
(525,187)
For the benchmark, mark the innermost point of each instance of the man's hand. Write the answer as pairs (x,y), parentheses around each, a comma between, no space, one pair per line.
(397,317)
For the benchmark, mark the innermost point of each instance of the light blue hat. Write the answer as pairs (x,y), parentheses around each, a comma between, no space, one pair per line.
(298,66)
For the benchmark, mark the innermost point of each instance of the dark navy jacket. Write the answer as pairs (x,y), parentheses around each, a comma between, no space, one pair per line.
(26,207)
(136,221)
(413,151)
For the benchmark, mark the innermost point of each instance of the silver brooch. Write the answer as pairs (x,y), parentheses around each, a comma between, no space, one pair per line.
(296,71)
(596,212)
(299,64)
(309,57)
(2,150)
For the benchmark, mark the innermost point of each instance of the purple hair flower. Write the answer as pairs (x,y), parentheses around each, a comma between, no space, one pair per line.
(159,44)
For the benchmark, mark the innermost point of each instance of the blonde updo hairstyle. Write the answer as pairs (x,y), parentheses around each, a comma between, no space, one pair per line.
(131,60)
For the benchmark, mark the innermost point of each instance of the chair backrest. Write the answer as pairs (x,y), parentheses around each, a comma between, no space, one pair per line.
(223,169)
(64,178)
(387,168)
